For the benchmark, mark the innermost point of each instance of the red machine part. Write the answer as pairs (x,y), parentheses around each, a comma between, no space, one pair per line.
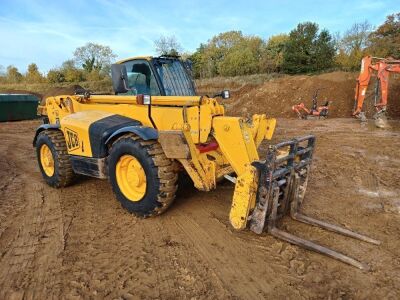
(203,148)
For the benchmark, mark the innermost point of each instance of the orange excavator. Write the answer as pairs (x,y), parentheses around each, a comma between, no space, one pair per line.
(382,67)
(315,111)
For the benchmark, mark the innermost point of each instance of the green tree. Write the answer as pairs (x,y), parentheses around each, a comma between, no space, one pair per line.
(33,75)
(94,57)
(272,54)
(306,50)
(71,72)
(198,63)
(55,76)
(209,57)
(385,40)
(242,58)
(13,75)
(324,51)
(167,45)
(229,54)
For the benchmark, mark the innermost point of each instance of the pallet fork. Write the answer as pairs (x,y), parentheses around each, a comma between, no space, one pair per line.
(282,184)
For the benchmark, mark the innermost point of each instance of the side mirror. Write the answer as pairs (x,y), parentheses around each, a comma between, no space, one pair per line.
(119,77)
(225,94)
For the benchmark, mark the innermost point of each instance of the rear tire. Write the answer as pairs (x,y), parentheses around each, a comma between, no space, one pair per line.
(58,172)
(158,184)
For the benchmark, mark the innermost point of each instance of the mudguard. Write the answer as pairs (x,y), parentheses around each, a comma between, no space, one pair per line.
(44,127)
(146,133)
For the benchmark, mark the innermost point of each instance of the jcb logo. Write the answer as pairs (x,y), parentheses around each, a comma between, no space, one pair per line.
(72,139)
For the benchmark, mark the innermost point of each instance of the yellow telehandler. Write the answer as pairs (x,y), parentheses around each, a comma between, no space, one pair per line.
(154,127)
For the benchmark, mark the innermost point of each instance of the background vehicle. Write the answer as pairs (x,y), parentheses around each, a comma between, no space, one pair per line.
(316,111)
(383,67)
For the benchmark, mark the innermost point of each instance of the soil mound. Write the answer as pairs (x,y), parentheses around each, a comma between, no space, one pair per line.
(277,95)
(68,90)
(14,91)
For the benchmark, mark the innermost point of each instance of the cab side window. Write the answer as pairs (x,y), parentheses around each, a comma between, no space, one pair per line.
(141,78)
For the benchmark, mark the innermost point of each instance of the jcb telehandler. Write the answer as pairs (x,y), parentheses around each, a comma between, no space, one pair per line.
(154,127)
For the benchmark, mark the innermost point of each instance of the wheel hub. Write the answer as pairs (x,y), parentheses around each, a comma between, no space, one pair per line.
(131,178)
(46,160)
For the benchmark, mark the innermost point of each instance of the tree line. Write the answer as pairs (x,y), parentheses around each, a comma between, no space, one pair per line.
(90,62)
(305,49)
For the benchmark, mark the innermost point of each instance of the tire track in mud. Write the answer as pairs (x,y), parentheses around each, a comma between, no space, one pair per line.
(108,251)
(240,268)
(191,276)
(32,242)
(80,206)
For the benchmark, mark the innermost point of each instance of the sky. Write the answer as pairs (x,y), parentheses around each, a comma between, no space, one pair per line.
(48,32)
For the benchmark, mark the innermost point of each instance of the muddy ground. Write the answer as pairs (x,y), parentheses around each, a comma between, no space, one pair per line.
(78,243)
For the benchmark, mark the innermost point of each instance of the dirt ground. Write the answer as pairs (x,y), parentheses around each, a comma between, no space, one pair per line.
(78,242)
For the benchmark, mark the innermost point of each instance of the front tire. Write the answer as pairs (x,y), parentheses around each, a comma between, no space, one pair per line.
(143,179)
(53,159)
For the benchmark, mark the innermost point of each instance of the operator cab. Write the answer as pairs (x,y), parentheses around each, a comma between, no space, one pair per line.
(155,76)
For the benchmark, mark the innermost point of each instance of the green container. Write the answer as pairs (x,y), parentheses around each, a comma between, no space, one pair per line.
(15,107)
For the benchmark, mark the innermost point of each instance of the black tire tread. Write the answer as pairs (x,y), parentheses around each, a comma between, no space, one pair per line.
(167,174)
(65,172)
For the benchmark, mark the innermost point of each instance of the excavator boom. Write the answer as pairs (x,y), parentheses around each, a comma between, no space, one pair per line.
(381,68)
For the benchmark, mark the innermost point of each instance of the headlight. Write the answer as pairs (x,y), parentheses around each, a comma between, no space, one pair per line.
(147,99)
(143,99)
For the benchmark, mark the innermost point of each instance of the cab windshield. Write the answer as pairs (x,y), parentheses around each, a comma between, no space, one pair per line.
(174,78)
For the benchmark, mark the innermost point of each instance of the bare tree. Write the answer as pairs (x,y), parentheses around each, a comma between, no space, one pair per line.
(356,38)
(167,45)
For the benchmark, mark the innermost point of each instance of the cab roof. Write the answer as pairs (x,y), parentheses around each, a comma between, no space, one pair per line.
(135,57)
(148,58)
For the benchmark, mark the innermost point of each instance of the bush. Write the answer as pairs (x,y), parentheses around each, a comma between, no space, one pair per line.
(55,76)
(13,75)
(33,75)
(71,72)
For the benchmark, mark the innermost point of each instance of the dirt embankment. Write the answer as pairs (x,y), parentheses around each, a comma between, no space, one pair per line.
(43,90)
(276,96)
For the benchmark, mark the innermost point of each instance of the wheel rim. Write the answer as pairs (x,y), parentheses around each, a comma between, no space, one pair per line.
(131,178)
(47,160)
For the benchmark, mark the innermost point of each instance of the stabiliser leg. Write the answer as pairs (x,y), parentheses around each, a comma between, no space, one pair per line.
(282,194)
